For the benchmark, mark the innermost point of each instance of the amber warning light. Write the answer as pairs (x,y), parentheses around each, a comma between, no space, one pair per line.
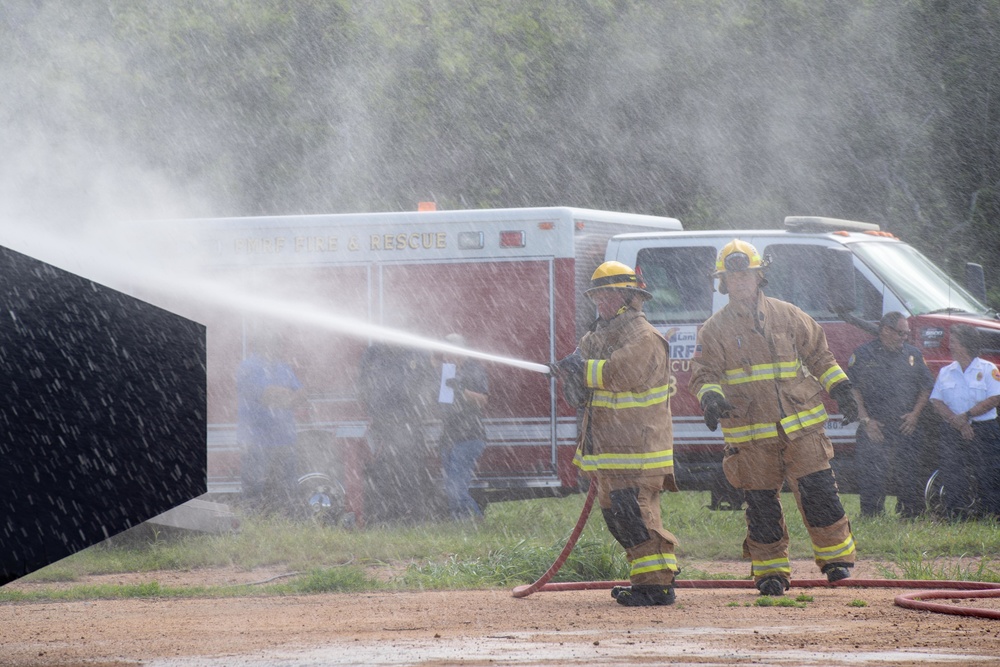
(512,239)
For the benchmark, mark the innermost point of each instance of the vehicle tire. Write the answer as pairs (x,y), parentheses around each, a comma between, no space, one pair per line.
(934,495)
(725,497)
(323,499)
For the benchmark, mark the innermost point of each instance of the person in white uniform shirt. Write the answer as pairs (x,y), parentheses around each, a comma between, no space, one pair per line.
(966,395)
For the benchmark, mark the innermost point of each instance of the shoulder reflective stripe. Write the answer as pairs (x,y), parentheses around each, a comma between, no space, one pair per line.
(762,568)
(705,388)
(737,434)
(654,563)
(832,376)
(623,461)
(804,419)
(626,399)
(783,370)
(595,373)
(836,551)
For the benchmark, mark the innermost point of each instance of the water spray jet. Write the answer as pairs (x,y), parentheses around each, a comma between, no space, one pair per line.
(147,280)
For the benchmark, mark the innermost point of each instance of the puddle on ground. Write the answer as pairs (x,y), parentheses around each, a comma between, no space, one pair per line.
(518,649)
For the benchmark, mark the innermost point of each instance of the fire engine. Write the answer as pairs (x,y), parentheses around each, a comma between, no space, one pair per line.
(511,282)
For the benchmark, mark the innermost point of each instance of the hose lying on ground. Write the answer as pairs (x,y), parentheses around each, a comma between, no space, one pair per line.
(914,600)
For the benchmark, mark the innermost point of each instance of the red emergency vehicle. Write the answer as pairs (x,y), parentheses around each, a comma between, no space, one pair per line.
(511,281)
(508,280)
(845,274)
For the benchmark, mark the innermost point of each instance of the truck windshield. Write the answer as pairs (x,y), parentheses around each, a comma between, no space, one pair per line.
(919,284)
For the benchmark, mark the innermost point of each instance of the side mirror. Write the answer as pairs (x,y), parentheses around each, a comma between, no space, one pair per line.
(838,269)
(975,281)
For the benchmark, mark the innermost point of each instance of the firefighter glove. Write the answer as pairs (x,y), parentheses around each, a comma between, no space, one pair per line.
(844,396)
(571,366)
(715,406)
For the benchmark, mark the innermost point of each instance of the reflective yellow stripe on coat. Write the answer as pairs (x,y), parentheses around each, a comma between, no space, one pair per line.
(832,376)
(624,461)
(785,370)
(767,431)
(804,419)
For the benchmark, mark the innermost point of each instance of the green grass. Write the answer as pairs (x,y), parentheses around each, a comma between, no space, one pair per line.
(514,545)
(768,601)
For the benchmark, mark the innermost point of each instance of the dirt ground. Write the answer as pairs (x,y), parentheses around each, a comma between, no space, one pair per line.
(840,626)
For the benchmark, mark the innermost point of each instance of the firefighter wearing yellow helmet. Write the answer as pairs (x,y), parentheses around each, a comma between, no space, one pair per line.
(760,367)
(620,373)
(738,256)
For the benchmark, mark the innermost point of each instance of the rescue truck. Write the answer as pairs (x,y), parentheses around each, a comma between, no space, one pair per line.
(845,274)
(511,281)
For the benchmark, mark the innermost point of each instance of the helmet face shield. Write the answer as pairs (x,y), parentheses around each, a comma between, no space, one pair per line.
(737,261)
(738,256)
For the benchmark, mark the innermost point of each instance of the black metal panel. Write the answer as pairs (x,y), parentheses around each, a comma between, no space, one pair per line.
(102,413)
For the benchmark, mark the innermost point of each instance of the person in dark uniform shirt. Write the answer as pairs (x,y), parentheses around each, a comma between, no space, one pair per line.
(892,385)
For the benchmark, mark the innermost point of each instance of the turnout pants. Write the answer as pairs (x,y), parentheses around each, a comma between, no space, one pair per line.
(760,469)
(631,508)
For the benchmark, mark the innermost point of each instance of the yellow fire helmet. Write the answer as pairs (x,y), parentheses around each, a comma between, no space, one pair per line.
(737,255)
(615,275)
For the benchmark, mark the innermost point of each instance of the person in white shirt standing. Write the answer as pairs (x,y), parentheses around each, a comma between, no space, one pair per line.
(966,395)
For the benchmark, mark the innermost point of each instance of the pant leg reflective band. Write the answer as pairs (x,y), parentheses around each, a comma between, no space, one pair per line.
(763,568)
(835,553)
(654,563)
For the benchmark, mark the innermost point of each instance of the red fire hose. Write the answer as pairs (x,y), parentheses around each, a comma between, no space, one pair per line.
(914,600)
(525,591)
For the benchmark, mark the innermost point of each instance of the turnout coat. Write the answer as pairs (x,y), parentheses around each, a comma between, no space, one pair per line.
(770,361)
(627,426)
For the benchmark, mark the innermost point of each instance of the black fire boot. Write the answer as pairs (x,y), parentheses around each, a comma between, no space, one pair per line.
(774,585)
(644,596)
(836,571)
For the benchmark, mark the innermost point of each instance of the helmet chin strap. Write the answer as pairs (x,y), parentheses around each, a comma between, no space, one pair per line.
(626,303)
(625,307)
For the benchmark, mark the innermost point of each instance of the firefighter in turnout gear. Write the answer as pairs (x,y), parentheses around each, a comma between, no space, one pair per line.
(759,368)
(619,377)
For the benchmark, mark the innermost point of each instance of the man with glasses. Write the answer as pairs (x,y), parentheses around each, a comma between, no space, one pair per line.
(759,368)
(892,385)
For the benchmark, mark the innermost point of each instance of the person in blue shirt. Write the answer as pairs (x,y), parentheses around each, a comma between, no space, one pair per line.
(268,393)
(892,385)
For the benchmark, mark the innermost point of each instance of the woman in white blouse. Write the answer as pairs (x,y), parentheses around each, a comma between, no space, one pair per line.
(966,395)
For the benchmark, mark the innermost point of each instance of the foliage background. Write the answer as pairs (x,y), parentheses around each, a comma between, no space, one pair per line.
(722,114)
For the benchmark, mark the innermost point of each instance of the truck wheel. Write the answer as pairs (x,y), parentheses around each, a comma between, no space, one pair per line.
(322,498)
(934,495)
(726,499)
